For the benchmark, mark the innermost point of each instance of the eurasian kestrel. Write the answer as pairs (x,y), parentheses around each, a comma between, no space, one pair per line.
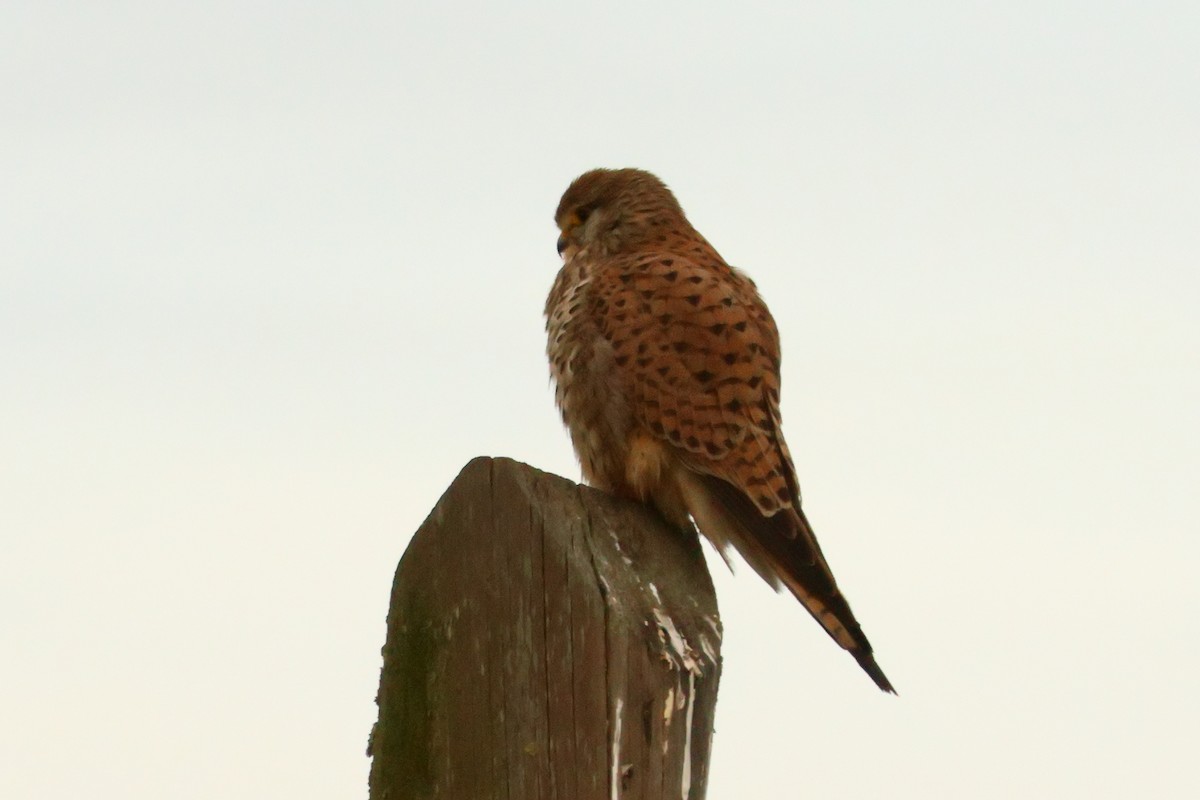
(666,366)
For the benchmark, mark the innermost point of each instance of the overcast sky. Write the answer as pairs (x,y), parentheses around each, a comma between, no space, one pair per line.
(272,273)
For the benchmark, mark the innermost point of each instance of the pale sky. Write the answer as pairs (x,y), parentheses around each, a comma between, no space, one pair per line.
(272,273)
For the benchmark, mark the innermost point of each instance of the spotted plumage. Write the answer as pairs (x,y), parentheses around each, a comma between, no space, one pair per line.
(666,368)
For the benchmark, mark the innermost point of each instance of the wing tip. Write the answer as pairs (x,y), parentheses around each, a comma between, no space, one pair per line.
(866,660)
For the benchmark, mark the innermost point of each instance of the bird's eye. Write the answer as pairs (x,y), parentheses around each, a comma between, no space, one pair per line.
(582,212)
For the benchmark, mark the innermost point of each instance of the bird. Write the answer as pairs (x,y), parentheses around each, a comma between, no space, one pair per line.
(666,369)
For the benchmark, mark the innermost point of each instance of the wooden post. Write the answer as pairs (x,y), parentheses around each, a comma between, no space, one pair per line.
(546,641)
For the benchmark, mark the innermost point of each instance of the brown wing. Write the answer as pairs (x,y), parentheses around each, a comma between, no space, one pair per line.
(697,353)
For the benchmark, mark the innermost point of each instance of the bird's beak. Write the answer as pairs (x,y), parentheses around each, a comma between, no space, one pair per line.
(567,226)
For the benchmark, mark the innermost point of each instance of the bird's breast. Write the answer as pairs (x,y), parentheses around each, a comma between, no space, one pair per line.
(587,387)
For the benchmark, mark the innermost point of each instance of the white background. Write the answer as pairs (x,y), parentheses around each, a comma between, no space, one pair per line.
(271,273)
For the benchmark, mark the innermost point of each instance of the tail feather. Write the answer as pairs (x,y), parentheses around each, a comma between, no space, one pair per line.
(784,551)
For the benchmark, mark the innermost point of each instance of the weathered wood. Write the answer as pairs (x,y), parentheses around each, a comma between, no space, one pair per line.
(546,641)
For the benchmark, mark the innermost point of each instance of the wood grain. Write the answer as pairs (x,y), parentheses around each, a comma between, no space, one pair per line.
(546,641)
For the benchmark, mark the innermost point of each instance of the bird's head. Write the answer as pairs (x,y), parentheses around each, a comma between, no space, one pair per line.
(609,210)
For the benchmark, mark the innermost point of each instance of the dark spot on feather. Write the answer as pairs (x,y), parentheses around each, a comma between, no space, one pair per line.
(681,347)
(717,329)
(733,406)
(693,442)
(696,279)
(626,277)
(712,448)
(755,381)
(666,262)
(694,299)
(739,326)
(704,376)
(729,358)
(664,319)
(663,371)
(672,275)
(621,360)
